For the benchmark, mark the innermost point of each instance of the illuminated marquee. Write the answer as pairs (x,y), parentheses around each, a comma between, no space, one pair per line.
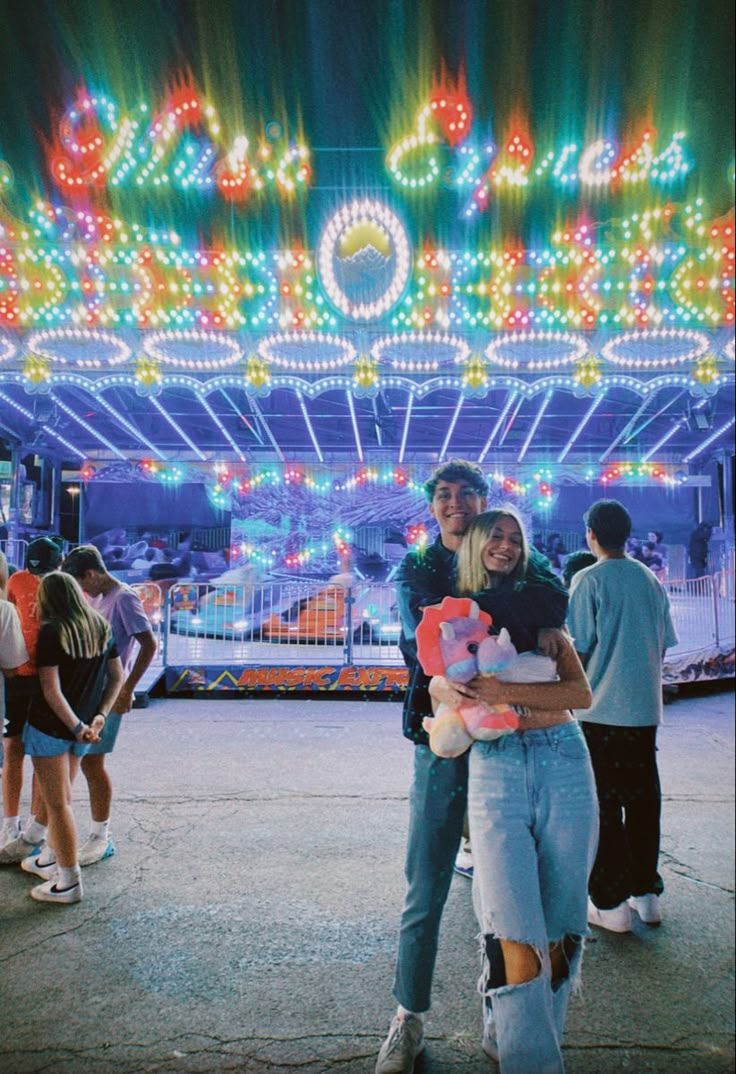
(179,146)
(441,147)
(661,268)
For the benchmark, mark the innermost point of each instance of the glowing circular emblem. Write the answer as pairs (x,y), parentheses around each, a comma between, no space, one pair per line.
(655,348)
(190,349)
(364,259)
(536,351)
(84,348)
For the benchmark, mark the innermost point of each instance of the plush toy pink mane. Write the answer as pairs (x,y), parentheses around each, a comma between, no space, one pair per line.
(454,639)
(429,633)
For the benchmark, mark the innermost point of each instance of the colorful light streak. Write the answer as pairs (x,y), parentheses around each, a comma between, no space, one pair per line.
(499,422)
(721,431)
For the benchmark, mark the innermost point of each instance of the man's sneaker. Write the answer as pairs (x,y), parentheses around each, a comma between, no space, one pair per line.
(405,1041)
(647,907)
(94,849)
(18,849)
(617,919)
(8,832)
(490,1043)
(464,864)
(49,892)
(31,865)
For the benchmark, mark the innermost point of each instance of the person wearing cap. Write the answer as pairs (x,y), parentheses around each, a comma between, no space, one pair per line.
(136,646)
(42,557)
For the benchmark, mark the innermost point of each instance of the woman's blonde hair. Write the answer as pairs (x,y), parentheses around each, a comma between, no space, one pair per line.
(472,576)
(83,632)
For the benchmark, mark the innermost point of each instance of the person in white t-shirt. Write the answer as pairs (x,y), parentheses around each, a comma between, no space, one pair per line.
(13,650)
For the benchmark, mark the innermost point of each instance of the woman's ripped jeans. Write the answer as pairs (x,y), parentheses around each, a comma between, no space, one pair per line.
(533,826)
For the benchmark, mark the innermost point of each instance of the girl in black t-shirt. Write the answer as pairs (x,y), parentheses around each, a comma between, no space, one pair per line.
(80,675)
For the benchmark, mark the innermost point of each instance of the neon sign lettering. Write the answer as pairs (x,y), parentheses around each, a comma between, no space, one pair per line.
(181,147)
(433,148)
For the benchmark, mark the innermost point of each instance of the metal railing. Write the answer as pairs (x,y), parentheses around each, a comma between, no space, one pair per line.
(15,551)
(154,605)
(309,622)
(282,622)
(702,610)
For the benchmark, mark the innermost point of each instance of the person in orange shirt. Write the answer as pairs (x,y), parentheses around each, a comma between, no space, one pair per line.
(42,557)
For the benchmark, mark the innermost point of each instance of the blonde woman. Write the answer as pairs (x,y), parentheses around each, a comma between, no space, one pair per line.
(533,815)
(79,675)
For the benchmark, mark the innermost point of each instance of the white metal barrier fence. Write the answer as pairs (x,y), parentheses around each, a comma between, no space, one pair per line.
(310,622)
(15,551)
(702,610)
(282,621)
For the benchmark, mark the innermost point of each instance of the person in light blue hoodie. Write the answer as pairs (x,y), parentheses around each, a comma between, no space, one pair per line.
(619,616)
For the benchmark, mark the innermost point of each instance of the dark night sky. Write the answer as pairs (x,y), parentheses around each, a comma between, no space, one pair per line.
(354,72)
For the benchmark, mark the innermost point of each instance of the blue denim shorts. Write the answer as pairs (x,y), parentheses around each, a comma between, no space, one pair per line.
(39,744)
(108,736)
(533,815)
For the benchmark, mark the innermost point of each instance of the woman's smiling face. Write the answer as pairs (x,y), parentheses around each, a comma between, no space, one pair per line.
(502,550)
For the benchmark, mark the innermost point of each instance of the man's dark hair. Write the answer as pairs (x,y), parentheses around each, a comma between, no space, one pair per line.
(610,522)
(457,470)
(576,561)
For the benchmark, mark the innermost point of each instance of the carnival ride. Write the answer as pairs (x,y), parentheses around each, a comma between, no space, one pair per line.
(582,338)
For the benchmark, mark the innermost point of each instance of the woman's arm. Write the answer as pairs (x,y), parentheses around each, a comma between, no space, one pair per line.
(571,691)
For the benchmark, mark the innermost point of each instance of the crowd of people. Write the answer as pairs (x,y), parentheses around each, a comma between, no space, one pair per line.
(558,820)
(154,558)
(75,643)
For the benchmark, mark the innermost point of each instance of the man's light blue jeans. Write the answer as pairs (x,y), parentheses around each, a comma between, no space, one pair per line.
(533,827)
(437,810)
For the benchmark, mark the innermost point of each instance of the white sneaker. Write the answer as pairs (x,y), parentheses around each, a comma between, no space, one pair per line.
(618,919)
(31,865)
(17,849)
(464,863)
(95,849)
(405,1041)
(647,907)
(49,892)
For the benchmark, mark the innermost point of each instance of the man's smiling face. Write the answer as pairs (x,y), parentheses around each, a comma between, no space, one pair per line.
(455,505)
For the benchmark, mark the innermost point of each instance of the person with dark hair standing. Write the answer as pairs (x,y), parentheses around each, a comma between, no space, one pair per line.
(456,494)
(651,559)
(620,619)
(80,674)
(697,550)
(576,561)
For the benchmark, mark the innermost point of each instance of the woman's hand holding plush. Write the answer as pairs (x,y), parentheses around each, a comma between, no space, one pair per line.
(444,692)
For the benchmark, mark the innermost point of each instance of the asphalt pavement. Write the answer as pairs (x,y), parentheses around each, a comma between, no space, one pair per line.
(248,920)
